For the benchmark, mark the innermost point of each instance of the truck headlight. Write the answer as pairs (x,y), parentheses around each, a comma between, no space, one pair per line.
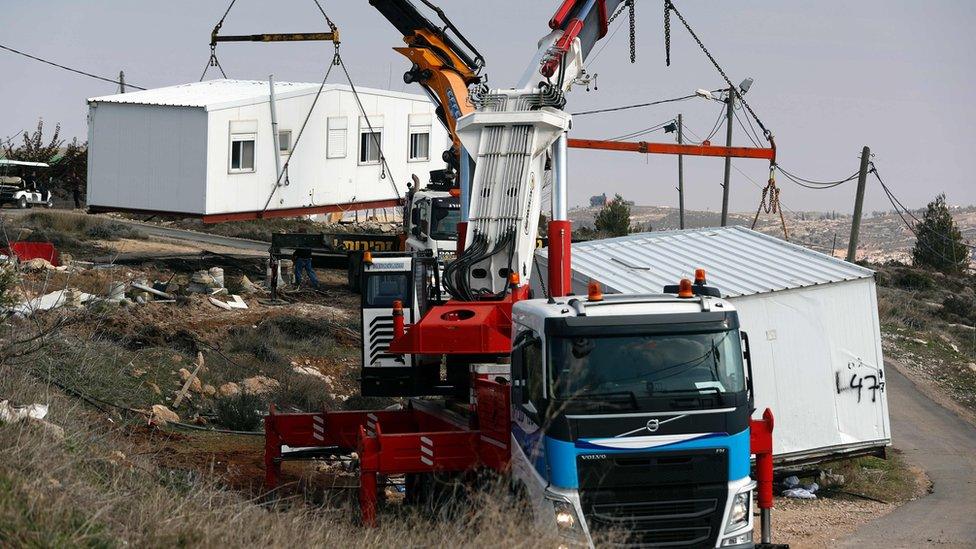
(565,516)
(739,514)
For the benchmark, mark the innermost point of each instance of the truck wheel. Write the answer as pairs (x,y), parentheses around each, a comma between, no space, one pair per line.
(22,203)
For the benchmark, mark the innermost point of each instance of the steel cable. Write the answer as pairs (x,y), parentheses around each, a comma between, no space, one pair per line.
(60,66)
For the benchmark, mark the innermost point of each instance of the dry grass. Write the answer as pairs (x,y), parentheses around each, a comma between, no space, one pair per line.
(890,480)
(68,231)
(96,488)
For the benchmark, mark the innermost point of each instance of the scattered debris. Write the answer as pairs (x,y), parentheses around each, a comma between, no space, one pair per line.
(152,291)
(28,251)
(308,370)
(828,478)
(249,287)
(190,381)
(796,491)
(217,274)
(235,303)
(37,264)
(11,414)
(35,413)
(53,300)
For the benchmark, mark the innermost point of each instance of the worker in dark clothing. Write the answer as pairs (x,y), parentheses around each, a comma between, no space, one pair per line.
(303,262)
(30,181)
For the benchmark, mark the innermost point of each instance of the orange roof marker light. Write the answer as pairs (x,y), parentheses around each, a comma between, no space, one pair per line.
(455,192)
(700,277)
(595,291)
(368,257)
(684,289)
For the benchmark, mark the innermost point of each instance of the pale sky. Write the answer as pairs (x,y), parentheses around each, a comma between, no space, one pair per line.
(830,77)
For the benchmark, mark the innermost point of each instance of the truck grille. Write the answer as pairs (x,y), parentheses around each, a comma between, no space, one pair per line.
(650,500)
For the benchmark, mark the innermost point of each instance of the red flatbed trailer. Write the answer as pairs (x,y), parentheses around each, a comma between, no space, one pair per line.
(421,439)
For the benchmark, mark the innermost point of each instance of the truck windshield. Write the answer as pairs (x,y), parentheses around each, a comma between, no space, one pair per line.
(443,222)
(646,365)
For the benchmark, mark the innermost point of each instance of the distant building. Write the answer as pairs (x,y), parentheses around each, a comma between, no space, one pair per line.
(206,149)
(599,200)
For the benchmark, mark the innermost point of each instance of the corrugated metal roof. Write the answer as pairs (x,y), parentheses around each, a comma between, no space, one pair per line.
(215,94)
(737,260)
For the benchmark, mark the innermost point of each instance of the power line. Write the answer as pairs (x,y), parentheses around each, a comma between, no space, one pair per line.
(816,185)
(899,207)
(637,106)
(719,122)
(645,131)
(754,140)
(60,66)
(744,174)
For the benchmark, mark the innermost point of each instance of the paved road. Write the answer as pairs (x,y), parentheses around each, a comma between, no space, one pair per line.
(938,441)
(181,234)
(202,238)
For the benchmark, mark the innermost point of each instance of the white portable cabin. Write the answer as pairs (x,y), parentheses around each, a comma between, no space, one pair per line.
(812,322)
(207,149)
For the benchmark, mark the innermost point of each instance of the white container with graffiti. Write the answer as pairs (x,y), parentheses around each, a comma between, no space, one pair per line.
(812,322)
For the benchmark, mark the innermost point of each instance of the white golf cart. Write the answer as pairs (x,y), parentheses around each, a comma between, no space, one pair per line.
(19,185)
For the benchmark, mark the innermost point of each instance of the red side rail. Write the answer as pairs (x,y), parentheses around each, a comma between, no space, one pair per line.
(396,442)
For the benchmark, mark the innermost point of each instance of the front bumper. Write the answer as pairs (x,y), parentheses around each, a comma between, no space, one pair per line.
(589,528)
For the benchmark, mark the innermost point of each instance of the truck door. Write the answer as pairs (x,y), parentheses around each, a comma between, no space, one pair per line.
(528,401)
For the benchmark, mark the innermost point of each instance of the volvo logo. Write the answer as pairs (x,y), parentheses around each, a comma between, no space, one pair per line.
(652,426)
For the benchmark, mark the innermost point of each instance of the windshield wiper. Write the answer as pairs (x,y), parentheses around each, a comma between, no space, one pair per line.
(696,392)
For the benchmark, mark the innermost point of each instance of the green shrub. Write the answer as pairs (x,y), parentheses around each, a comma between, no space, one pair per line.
(910,279)
(304,392)
(961,306)
(111,230)
(241,412)
(8,282)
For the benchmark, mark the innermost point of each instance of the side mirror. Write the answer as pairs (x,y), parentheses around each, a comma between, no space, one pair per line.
(415,216)
(747,355)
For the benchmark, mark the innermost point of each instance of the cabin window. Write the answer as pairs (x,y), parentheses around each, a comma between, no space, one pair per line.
(369,146)
(284,141)
(336,146)
(419,146)
(242,153)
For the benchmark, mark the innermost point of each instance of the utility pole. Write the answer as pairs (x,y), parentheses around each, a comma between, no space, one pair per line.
(121,81)
(729,108)
(862,179)
(681,180)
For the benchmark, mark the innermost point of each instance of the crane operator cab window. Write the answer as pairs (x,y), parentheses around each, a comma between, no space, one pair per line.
(382,289)
(445,214)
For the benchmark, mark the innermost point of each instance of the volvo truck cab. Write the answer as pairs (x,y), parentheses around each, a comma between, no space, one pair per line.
(431,213)
(631,416)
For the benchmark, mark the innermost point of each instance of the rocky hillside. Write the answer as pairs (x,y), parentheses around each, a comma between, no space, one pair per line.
(884,237)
